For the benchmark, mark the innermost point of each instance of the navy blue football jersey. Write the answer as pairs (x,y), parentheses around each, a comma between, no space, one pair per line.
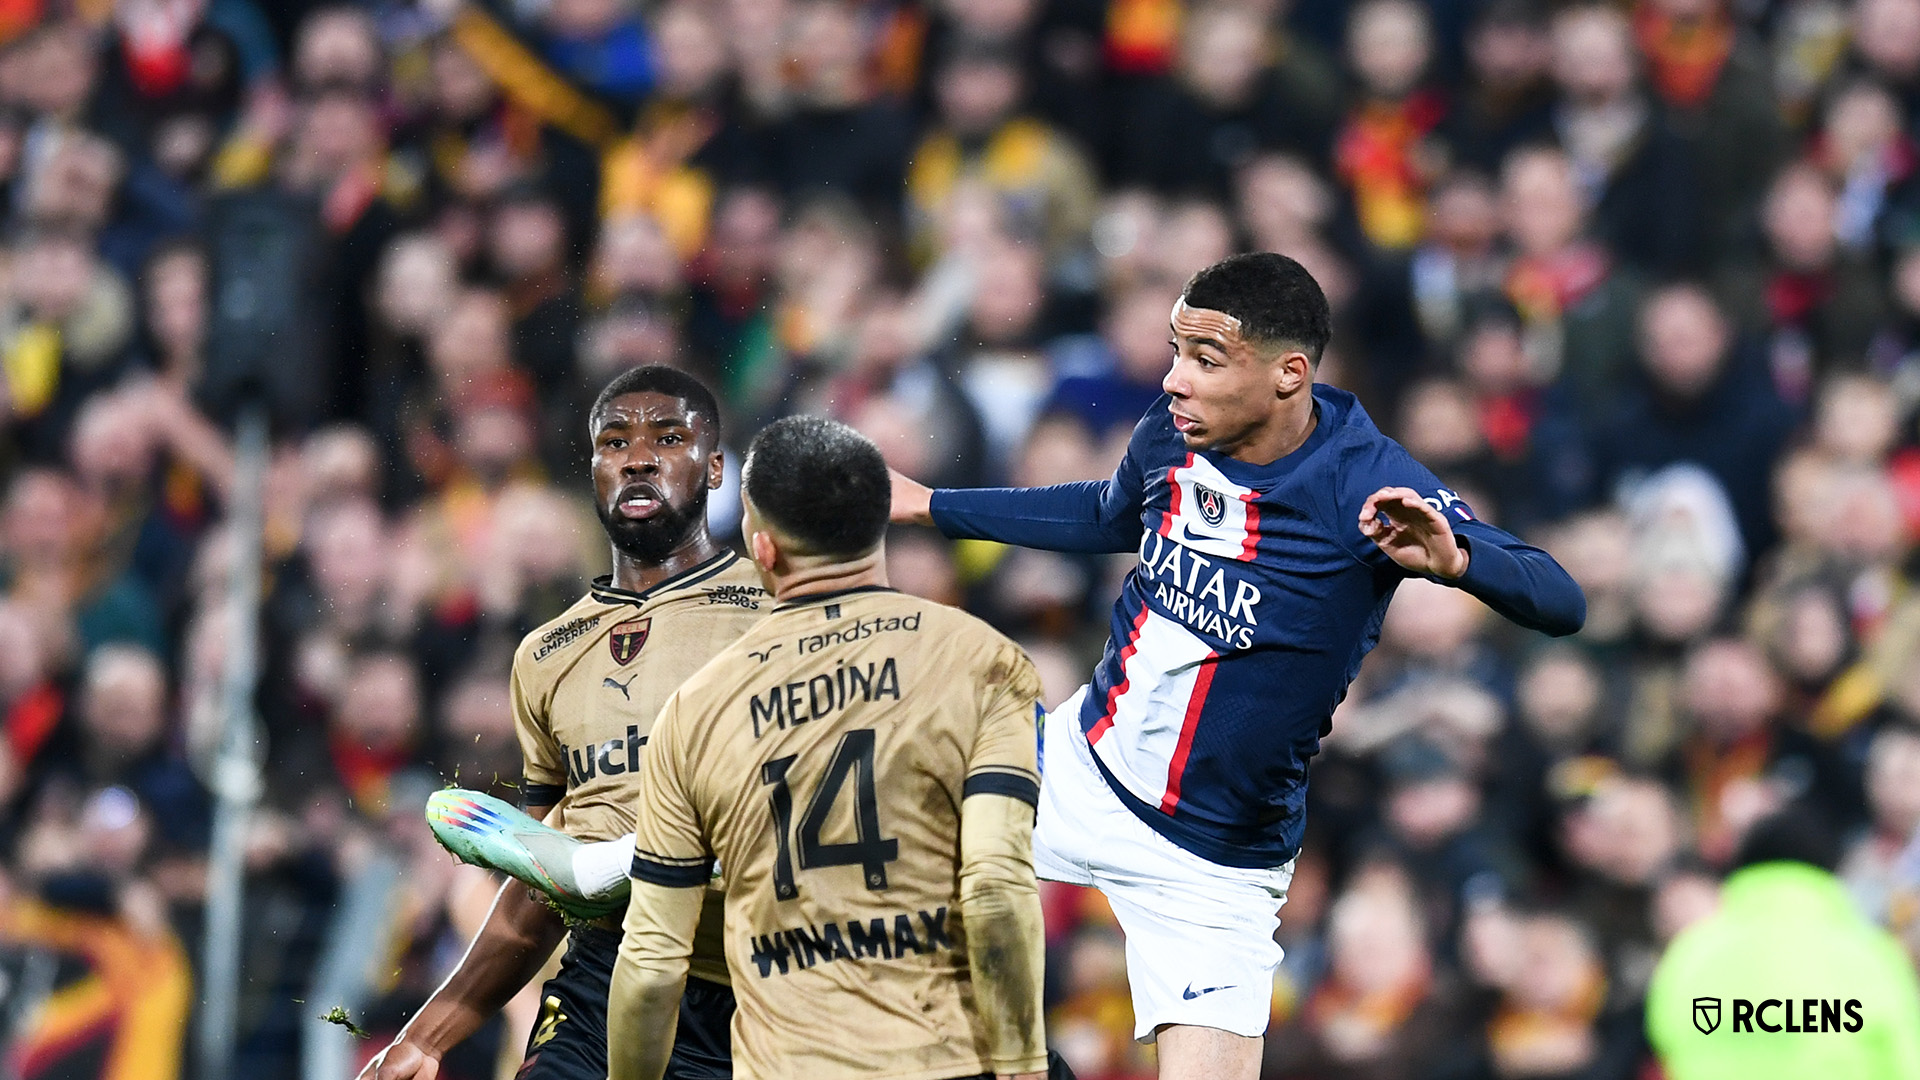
(1252,602)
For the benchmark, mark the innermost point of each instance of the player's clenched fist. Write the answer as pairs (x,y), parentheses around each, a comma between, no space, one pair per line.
(912,500)
(402,1061)
(1412,533)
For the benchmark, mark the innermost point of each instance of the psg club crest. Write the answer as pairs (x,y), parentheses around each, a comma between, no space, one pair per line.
(1706,1014)
(1213,505)
(625,639)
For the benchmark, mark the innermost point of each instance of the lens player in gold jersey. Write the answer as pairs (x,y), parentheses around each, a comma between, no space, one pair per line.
(862,764)
(586,689)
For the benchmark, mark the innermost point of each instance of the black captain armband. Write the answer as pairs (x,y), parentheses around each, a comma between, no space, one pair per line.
(671,873)
(1012,785)
(532,794)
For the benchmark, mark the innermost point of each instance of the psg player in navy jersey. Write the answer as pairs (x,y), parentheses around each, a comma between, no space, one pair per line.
(1272,522)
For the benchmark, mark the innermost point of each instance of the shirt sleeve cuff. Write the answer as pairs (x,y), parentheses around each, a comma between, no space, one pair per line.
(1487,564)
(937,509)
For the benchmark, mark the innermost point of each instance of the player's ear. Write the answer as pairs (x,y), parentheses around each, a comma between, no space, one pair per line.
(716,469)
(764,551)
(1292,372)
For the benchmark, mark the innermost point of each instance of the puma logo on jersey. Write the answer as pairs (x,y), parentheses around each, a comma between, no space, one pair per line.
(621,686)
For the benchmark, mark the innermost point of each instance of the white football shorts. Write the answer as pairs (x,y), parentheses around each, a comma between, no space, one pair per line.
(1200,948)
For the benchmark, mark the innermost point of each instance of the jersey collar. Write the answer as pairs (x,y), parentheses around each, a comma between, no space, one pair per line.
(820,597)
(1329,414)
(604,591)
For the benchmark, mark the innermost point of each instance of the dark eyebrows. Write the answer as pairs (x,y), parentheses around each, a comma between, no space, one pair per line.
(1197,339)
(614,420)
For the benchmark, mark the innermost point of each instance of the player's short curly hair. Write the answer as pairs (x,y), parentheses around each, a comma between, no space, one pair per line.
(658,379)
(1275,299)
(821,483)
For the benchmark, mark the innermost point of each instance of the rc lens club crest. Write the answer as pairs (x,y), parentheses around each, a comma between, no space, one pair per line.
(625,640)
(1706,1014)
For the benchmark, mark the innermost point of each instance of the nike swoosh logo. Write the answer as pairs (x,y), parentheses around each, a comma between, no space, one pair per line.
(1190,993)
(1187,536)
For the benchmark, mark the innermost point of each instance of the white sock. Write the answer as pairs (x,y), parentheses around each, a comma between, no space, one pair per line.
(599,868)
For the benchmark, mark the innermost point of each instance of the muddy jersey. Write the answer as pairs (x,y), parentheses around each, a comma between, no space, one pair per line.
(823,760)
(588,685)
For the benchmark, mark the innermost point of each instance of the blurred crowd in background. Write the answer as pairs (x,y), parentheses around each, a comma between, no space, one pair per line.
(1641,281)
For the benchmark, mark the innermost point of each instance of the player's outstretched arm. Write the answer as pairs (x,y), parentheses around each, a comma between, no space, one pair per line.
(1509,575)
(643,1004)
(519,935)
(1006,945)
(1096,516)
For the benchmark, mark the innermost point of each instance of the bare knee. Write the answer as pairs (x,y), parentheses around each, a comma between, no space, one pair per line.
(1204,1053)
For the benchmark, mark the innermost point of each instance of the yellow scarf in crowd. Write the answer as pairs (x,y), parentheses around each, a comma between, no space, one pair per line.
(133,996)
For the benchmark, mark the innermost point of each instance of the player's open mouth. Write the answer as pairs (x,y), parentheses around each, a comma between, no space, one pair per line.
(1184,424)
(639,502)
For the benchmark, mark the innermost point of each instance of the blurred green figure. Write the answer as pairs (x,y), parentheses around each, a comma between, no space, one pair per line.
(1787,951)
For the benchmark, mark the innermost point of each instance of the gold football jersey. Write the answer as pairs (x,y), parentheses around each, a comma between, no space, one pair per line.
(588,685)
(823,759)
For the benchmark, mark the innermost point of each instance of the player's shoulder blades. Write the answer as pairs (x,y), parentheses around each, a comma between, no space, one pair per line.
(937,621)
(969,638)
(814,627)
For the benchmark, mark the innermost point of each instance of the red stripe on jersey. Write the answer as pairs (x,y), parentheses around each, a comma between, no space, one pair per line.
(1203,681)
(1173,498)
(1250,546)
(1105,723)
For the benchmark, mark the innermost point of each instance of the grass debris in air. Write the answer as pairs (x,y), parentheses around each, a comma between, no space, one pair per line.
(338,1015)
